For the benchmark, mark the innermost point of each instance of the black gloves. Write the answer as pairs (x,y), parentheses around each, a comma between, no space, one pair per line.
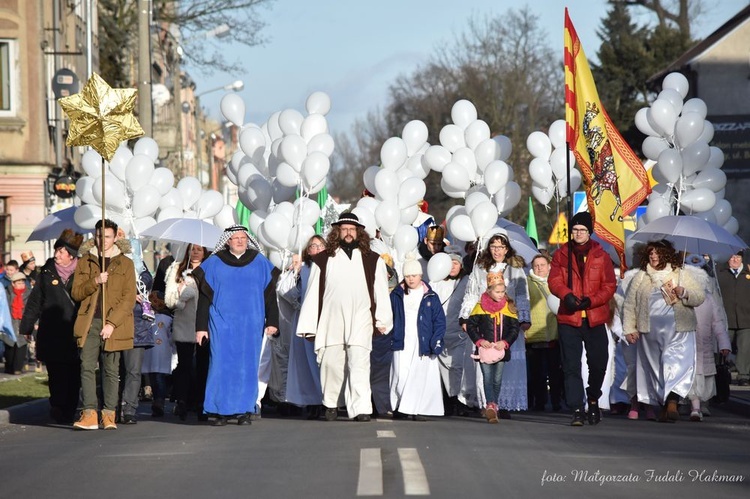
(571,302)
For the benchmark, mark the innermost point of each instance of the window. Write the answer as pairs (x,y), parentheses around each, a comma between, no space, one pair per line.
(8,74)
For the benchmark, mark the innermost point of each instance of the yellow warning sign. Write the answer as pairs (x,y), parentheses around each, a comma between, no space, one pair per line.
(559,233)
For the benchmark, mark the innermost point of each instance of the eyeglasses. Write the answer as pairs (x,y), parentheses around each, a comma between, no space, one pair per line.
(316,246)
(498,248)
(579,230)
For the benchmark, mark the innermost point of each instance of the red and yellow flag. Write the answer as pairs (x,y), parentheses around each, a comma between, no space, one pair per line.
(615,179)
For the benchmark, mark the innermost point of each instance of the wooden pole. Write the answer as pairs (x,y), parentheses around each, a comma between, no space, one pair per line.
(101,247)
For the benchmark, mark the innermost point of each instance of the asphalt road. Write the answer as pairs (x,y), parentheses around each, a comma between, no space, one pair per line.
(532,455)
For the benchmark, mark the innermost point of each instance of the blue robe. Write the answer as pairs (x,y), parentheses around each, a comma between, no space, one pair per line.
(234,295)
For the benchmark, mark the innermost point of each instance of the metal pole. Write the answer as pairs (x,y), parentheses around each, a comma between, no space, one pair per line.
(198,140)
(58,65)
(144,66)
(89,40)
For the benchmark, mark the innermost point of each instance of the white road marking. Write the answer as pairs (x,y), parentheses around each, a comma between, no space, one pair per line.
(370,473)
(415,480)
(386,434)
(149,454)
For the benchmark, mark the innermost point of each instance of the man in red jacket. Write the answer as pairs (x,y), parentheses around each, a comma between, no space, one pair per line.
(584,294)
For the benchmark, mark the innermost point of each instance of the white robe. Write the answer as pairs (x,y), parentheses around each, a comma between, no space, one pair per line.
(415,379)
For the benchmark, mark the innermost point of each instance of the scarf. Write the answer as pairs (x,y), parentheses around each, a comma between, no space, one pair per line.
(581,251)
(491,306)
(16,306)
(658,277)
(349,247)
(66,272)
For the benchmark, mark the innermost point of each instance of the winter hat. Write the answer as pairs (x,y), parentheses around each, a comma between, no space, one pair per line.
(411,265)
(69,240)
(455,257)
(221,244)
(695,260)
(583,218)
(18,276)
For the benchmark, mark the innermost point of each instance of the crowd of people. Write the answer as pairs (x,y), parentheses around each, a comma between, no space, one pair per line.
(347,330)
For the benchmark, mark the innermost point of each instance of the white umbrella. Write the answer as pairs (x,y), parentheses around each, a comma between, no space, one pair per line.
(53,224)
(519,240)
(184,230)
(691,234)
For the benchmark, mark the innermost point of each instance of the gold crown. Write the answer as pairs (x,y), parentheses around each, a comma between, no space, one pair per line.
(435,233)
(495,278)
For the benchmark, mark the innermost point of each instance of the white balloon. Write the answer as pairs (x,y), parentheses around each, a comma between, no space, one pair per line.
(452,137)
(169,212)
(146,201)
(695,105)
(450,192)
(417,167)
(172,199)
(386,185)
(559,163)
(84,186)
(120,161)
(190,190)
(290,121)
(539,145)
(439,267)
(306,212)
(393,153)
(148,147)
(255,220)
(314,169)
(688,128)
(673,97)
(708,132)
(322,142)
(87,215)
(369,179)
(553,303)
(540,171)
(575,181)
(299,236)
(508,197)
(388,217)
(456,177)
(506,146)
(368,203)
(723,211)
(465,157)
(209,204)
(367,218)
(477,132)
(253,142)
(318,102)
(557,134)
(415,135)
(411,192)
(293,150)
(662,117)
(274,130)
(162,179)
(114,194)
(486,152)
(276,229)
(233,108)
(653,147)
(474,199)
(543,194)
(287,209)
(496,175)
(678,82)
(694,157)
(436,157)
(696,200)
(91,161)
(483,217)
(312,125)
(732,225)
(715,158)
(286,175)
(711,178)
(657,207)
(670,165)
(142,223)
(138,172)
(461,228)
(642,123)
(708,216)
(405,239)
(463,113)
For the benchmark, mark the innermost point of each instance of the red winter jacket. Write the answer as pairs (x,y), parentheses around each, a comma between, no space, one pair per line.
(598,284)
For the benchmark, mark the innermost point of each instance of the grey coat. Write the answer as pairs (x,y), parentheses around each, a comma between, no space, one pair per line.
(735,292)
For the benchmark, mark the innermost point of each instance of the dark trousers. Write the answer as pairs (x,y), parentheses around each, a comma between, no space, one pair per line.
(64,386)
(183,376)
(130,379)
(202,360)
(544,366)
(572,341)
(15,358)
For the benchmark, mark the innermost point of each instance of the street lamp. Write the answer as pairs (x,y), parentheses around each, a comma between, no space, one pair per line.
(235,86)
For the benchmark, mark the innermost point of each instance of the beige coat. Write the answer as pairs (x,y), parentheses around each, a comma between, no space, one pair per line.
(120,292)
(636,308)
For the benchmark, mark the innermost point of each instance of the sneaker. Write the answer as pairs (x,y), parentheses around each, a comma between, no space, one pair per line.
(594,414)
(696,416)
(418,417)
(578,418)
(219,421)
(108,420)
(129,419)
(363,418)
(88,421)
(633,414)
(704,409)
(243,419)
(331,413)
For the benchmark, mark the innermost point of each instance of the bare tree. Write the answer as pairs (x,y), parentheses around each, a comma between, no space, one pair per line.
(671,13)
(193,18)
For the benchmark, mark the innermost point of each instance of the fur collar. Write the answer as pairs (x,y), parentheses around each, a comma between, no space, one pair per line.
(122,246)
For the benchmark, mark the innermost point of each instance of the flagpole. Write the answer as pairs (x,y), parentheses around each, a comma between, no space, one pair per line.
(101,246)
(570,214)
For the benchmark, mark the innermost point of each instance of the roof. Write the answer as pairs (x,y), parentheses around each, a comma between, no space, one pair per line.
(704,45)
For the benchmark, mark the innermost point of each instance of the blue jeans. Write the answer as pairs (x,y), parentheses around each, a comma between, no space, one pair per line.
(493,380)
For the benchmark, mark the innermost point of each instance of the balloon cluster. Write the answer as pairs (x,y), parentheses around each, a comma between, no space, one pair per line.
(286,155)
(136,194)
(688,170)
(548,169)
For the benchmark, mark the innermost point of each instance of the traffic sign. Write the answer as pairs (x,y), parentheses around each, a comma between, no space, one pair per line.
(559,233)
(65,83)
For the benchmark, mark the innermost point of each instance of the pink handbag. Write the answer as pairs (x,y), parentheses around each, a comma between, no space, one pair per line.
(492,355)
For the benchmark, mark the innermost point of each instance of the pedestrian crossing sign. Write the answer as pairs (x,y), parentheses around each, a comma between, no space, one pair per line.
(559,233)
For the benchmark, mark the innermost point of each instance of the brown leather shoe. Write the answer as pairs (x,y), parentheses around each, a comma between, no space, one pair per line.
(108,420)
(88,421)
(672,412)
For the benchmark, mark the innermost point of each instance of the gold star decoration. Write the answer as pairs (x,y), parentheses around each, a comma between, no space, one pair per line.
(101,116)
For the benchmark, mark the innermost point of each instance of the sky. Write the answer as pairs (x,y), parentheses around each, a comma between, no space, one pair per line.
(353,50)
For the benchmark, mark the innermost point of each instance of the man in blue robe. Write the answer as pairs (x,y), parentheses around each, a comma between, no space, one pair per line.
(236,306)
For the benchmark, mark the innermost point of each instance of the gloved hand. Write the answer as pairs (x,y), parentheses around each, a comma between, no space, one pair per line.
(585,303)
(525,326)
(571,302)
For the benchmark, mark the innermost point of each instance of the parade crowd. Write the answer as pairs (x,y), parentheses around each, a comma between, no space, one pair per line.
(347,331)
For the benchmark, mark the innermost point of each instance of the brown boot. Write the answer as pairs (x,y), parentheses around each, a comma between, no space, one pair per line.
(88,421)
(108,420)
(672,413)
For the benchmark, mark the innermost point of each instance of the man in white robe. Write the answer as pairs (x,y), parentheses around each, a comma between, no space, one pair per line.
(347,301)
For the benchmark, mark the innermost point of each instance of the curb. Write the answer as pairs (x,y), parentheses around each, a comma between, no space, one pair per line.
(24,412)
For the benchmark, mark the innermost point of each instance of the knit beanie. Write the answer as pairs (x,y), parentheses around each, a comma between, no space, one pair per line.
(411,266)
(583,218)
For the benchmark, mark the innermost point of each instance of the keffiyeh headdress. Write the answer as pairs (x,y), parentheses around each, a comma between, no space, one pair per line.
(252,243)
